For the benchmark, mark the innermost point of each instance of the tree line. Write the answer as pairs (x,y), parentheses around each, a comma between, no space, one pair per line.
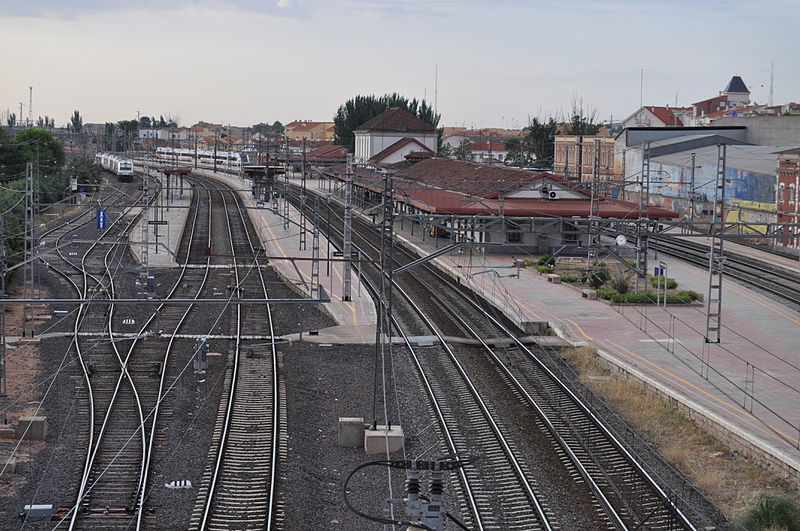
(46,154)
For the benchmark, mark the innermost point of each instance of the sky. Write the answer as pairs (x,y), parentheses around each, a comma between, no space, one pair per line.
(483,63)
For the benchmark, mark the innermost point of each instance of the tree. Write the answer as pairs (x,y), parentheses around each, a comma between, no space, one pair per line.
(581,121)
(277,127)
(463,151)
(359,110)
(85,170)
(128,128)
(540,140)
(144,122)
(12,119)
(45,123)
(76,122)
(519,152)
(39,146)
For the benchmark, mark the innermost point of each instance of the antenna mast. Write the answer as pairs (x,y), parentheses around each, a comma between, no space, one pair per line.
(435,89)
(30,105)
(771,72)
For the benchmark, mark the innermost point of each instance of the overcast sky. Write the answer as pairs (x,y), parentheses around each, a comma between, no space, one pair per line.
(499,61)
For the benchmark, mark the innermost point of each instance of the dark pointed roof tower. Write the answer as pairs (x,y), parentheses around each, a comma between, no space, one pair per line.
(736,85)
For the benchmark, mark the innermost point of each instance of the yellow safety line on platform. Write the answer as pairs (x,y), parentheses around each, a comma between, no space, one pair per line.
(735,408)
(576,325)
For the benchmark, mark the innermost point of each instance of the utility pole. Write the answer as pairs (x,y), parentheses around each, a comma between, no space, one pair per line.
(145,233)
(3,381)
(303,199)
(384,324)
(30,248)
(30,106)
(643,222)
(594,211)
(286,185)
(315,291)
(216,132)
(348,228)
(715,256)
(691,190)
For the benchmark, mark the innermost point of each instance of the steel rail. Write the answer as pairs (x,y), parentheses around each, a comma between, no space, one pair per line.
(515,464)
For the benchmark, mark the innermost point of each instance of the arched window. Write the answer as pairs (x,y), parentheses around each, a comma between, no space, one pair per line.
(791,194)
(782,193)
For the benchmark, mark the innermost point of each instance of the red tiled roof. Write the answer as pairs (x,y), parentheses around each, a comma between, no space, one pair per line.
(726,112)
(436,200)
(331,152)
(396,146)
(396,120)
(665,114)
(303,126)
(712,100)
(467,177)
(484,146)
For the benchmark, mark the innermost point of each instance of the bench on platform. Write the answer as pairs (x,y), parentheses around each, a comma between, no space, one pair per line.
(555,279)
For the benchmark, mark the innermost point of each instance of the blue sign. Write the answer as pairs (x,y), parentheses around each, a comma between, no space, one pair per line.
(101,219)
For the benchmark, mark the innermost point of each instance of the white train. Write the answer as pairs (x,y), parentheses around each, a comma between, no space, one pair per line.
(183,156)
(116,164)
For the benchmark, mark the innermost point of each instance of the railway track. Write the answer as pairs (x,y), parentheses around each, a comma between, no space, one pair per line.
(776,281)
(239,482)
(92,277)
(610,495)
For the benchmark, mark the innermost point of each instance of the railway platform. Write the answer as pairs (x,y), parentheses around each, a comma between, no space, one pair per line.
(165,221)
(355,318)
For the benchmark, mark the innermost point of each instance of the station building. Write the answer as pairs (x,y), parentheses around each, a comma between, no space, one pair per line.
(517,211)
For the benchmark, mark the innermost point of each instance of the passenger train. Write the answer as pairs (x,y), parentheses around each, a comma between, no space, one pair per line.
(205,158)
(116,164)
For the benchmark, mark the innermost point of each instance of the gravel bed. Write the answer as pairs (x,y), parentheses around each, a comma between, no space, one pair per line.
(327,382)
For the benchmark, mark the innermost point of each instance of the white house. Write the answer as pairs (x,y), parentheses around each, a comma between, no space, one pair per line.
(390,136)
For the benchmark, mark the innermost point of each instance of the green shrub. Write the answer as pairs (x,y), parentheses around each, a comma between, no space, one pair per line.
(527,263)
(682,297)
(671,282)
(546,260)
(772,512)
(544,269)
(606,293)
(597,275)
(691,295)
(570,279)
(621,281)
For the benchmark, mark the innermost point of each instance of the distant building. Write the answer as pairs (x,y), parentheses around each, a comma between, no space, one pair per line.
(574,157)
(392,135)
(734,95)
(788,196)
(300,129)
(652,116)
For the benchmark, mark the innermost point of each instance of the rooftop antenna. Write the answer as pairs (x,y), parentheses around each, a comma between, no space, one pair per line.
(771,72)
(641,88)
(436,89)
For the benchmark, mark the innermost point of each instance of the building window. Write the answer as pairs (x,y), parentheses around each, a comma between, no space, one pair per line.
(782,193)
(791,194)
(513,235)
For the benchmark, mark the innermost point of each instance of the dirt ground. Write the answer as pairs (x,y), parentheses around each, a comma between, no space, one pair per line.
(23,366)
(726,477)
